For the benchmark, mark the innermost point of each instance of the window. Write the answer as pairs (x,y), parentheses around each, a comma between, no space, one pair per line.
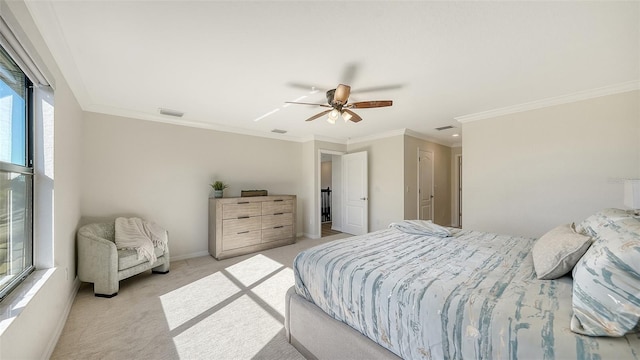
(16,175)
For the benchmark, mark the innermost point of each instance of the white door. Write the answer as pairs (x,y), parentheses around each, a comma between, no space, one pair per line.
(355,212)
(425,185)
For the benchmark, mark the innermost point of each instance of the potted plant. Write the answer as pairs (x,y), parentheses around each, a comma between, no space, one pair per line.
(218,187)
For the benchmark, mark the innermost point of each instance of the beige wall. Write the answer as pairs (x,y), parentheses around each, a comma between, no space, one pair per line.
(527,172)
(162,172)
(442,179)
(325,174)
(33,333)
(386,179)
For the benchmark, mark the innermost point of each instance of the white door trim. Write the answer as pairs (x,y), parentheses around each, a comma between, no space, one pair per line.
(457,192)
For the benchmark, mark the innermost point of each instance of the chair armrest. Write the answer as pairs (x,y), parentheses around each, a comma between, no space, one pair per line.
(97,258)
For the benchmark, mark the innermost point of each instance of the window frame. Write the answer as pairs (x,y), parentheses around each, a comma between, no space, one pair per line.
(27,170)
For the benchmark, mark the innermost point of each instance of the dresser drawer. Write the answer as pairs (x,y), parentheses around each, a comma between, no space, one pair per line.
(241,209)
(238,226)
(271,221)
(243,239)
(280,233)
(277,207)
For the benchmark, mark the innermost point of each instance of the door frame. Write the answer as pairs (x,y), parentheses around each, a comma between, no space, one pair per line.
(433,165)
(316,209)
(457,193)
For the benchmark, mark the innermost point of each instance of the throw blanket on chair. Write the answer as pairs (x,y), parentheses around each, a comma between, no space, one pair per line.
(140,235)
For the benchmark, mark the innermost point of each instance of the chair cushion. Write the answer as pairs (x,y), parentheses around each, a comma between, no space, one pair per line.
(128,258)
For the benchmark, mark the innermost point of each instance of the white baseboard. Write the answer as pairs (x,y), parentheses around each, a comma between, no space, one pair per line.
(310,236)
(189,256)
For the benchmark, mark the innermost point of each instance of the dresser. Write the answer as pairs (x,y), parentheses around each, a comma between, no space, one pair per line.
(242,225)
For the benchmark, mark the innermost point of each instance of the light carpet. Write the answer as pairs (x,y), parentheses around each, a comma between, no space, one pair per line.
(201,309)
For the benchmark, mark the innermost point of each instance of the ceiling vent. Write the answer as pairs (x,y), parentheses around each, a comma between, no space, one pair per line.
(445,127)
(278,131)
(170,112)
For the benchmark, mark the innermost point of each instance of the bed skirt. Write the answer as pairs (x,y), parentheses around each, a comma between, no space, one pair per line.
(316,335)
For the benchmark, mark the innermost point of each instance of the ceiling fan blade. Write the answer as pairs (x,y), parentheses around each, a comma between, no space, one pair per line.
(378,88)
(354,117)
(342,94)
(303,103)
(319,115)
(308,87)
(370,104)
(349,73)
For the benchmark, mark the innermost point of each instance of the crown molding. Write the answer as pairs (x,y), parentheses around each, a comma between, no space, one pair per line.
(383,135)
(420,136)
(558,100)
(323,139)
(112,111)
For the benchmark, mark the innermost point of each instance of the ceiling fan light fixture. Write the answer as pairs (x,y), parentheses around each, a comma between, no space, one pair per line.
(346,116)
(333,116)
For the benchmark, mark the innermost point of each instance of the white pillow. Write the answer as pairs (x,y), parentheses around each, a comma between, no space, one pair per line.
(558,251)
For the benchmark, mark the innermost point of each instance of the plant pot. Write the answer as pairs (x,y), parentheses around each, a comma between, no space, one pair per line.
(217,193)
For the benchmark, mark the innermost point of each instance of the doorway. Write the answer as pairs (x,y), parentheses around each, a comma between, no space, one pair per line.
(330,193)
(348,193)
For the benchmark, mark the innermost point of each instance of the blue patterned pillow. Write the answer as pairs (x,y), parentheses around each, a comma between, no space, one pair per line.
(591,225)
(606,282)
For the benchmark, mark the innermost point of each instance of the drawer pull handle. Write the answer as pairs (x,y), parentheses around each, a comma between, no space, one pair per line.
(277,200)
(243,232)
(278,214)
(243,202)
(243,217)
(278,227)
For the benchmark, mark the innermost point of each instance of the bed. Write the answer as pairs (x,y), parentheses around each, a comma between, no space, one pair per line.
(406,292)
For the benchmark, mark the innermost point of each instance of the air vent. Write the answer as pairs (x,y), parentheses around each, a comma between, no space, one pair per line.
(278,131)
(170,112)
(445,127)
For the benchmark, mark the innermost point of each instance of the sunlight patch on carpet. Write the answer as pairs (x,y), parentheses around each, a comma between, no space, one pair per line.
(200,295)
(253,269)
(271,290)
(239,330)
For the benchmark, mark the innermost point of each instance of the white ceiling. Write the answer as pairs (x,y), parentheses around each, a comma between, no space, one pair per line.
(225,64)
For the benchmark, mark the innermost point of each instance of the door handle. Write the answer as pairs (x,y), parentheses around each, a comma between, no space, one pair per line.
(363,198)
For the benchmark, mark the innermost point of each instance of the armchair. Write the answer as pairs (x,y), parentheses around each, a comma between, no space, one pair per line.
(101,263)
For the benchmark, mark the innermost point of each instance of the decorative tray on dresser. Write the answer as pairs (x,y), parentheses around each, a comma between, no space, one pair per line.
(241,225)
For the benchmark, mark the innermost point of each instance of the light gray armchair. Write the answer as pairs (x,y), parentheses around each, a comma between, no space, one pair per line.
(101,263)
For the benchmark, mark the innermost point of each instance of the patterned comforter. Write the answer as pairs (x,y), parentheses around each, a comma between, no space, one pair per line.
(469,296)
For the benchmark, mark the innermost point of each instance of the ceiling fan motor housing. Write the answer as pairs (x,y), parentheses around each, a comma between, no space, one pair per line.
(330,94)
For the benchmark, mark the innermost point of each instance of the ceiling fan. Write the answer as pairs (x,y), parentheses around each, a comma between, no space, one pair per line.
(337,100)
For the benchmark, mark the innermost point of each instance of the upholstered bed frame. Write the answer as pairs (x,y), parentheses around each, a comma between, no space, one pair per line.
(318,336)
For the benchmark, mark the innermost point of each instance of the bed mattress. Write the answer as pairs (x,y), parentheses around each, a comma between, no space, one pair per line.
(472,295)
